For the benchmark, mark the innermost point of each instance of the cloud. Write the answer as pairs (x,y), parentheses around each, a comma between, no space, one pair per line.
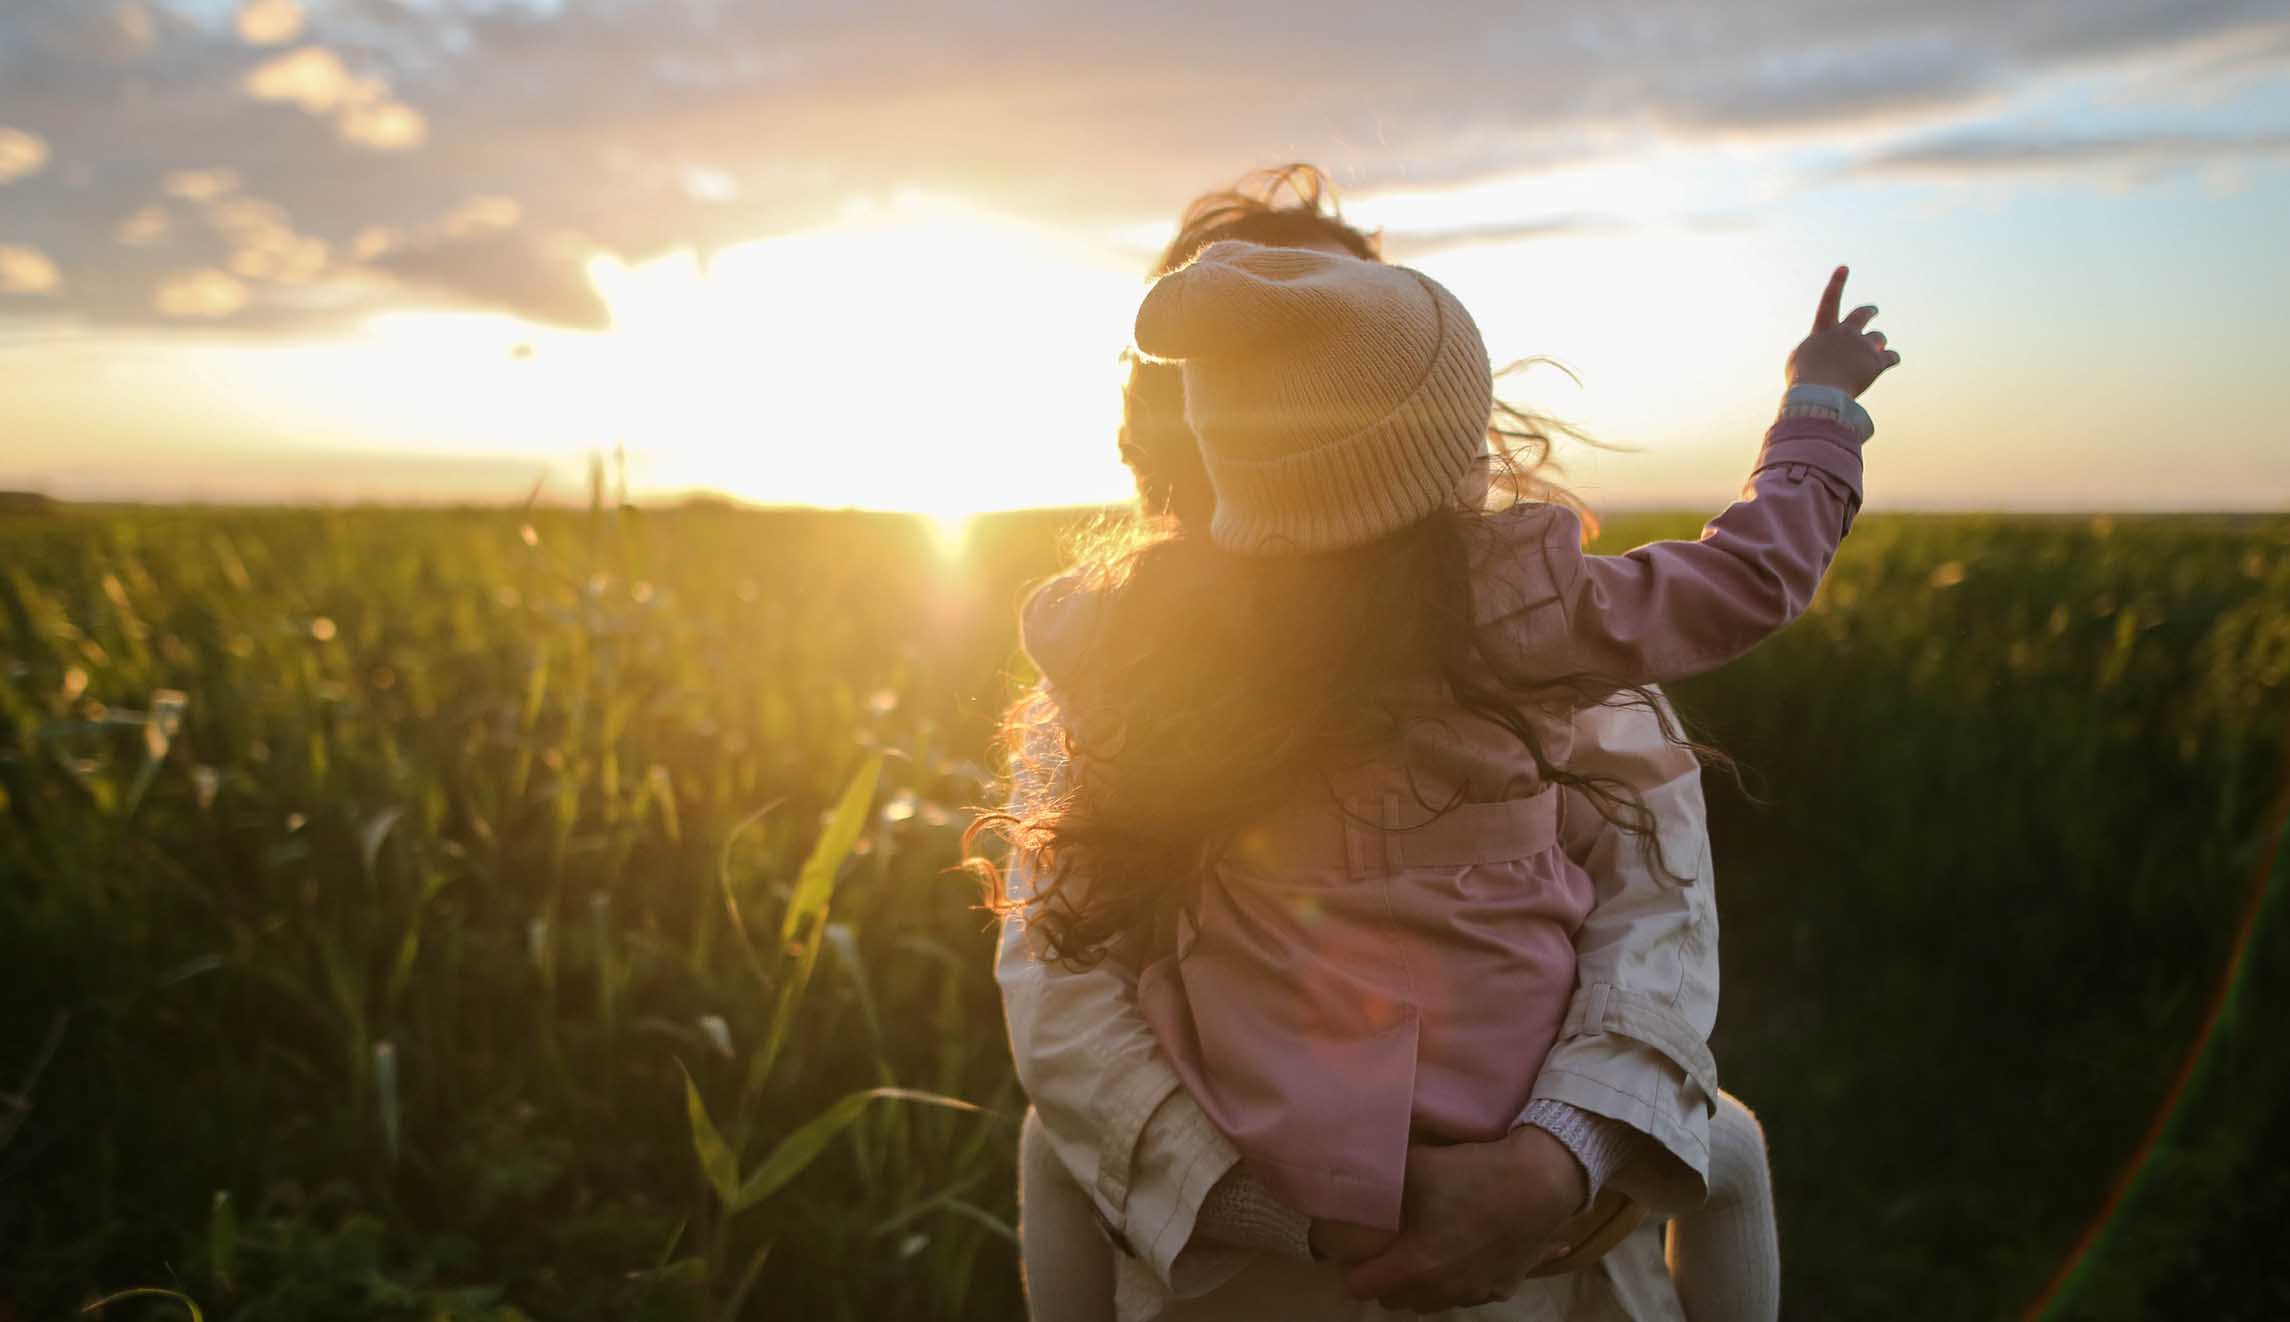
(2136,154)
(133,30)
(1834,87)
(21,154)
(384,126)
(647,125)
(269,22)
(147,226)
(315,79)
(372,241)
(264,244)
(483,215)
(27,271)
(1409,244)
(540,278)
(204,294)
(199,185)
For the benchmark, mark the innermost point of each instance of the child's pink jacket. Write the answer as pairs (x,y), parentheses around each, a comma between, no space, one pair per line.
(1366,970)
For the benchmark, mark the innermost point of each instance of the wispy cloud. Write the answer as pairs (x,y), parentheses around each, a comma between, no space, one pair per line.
(204,294)
(633,126)
(269,22)
(21,154)
(1403,243)
(27,271)
(1987,155)
(146,226)
(316,79)
(540,277)
(199,185)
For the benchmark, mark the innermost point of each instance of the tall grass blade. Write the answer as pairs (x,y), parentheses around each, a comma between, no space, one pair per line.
(386,1096)
(798,1150)
(717,1161)
(804,929)
(731,895)
(738,1296)
(148,1292)
(223,1240)
(815,884)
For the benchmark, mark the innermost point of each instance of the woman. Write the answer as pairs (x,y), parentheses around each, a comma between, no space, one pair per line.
(1630,1084)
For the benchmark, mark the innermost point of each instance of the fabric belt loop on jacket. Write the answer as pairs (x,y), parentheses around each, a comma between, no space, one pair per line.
(1594,1008)
(1470,834)
(1373,837)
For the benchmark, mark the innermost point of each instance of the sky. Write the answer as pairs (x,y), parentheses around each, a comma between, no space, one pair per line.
(886,255)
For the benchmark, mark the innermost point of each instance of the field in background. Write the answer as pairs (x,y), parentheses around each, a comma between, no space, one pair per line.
(371,882)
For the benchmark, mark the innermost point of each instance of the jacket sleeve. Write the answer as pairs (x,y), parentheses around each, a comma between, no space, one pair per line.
(1672,609)
(1113,1109)
(1634,1046)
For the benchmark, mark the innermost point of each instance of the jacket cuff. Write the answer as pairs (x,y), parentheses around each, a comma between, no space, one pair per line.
(1242,1212)
(1822,449)
(1599,1145)
(1672,1175)
(1180,1158)
(1631,1059)
(1803,401)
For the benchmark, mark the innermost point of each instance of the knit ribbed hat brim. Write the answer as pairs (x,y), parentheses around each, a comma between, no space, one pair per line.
(1336,401)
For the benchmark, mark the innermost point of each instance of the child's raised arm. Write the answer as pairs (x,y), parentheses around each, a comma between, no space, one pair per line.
(1672,609)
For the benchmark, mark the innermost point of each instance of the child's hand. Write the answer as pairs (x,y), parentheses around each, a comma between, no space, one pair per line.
(1845,354)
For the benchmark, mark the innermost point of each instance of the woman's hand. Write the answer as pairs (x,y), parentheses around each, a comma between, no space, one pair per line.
(1475,1217)
(1347,1241)
(1843,353)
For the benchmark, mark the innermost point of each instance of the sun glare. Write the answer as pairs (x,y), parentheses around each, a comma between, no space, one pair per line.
(949,533)
(917,356)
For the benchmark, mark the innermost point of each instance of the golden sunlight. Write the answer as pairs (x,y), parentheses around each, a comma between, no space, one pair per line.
(918,355)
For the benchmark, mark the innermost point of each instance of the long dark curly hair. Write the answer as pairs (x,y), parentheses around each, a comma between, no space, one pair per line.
(1218,686)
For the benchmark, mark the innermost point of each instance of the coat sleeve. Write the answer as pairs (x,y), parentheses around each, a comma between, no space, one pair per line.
(1112,1107)
(1668,610)
(1634,1046)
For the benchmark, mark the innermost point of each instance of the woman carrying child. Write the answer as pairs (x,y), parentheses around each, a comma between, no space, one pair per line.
(1314,792)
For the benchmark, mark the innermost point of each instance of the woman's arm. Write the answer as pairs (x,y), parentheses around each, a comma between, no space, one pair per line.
(1634,1046)
(1112,1107)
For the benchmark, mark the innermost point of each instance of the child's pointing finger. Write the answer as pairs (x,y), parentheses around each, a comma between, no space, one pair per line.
(1832,298)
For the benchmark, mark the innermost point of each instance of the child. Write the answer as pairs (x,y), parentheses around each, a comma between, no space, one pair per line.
(1311,765)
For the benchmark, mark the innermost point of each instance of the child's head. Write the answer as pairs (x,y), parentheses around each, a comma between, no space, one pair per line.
(1335,400)
(1293,206)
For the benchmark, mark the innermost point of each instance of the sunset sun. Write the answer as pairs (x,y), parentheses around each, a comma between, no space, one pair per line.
(918,355)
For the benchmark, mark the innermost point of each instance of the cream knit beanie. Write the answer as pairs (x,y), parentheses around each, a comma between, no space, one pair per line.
(1336,400)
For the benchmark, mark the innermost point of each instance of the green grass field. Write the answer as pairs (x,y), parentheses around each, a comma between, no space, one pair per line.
(371,882)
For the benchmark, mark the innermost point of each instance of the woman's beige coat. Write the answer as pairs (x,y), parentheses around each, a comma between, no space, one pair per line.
(1634,1049)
